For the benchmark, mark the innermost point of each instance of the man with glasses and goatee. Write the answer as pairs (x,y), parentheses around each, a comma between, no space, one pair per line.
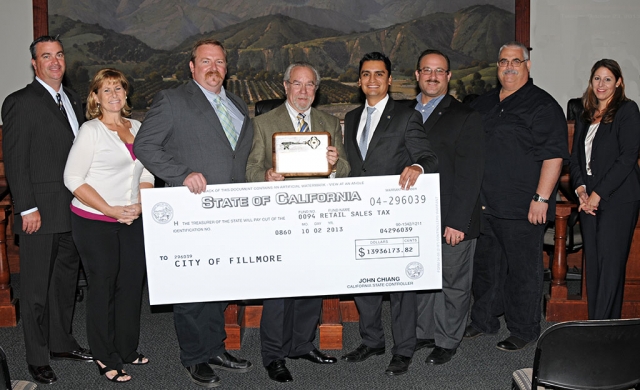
(456,136)
(525,144)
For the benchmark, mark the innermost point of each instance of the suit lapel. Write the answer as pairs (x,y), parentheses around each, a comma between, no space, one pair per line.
(282,119)
(603,130)
(353,128)
(200,101)
(51,105)
(437,113)
(77,106)
(245,122)
(317,124)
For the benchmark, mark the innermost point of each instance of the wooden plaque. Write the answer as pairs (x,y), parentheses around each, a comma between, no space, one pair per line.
(301,154)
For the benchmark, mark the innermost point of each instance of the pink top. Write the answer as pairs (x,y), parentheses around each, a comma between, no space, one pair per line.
(130,149)
(96,217)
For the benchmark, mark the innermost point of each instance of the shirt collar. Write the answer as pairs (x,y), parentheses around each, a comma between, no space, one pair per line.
(431,103)
(523,91)
(52,91)
(294,113)
(380,105)
(211,95)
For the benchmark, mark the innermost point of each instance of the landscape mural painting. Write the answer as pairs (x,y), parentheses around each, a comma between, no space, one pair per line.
(150,41)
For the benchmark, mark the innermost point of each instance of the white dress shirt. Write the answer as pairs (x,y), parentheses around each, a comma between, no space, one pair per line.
(588,144)
(293,114)
(375,118)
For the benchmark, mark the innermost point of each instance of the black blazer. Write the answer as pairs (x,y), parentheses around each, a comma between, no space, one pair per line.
(36,141)
(457,137)
(614,156)
(398,141)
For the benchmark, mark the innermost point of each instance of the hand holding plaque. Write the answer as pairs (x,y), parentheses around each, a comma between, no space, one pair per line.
(301,154)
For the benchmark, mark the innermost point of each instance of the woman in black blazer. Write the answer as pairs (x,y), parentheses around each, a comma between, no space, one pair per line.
(606,178)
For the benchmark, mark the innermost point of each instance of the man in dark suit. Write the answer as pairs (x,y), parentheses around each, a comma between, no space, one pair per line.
(40,123)
(194,135)
(456,135)
(383,137)
(288,325)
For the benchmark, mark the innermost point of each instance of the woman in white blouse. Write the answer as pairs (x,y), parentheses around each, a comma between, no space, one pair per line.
(105,178)
(606,178)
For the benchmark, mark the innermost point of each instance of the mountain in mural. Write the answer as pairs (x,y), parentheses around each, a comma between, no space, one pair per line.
(259,50)
(94,44)
(272,42)
(163,24)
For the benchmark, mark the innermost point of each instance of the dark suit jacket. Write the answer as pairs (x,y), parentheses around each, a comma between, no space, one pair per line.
(36,141)
(614,156)
(278,120)
(399,140)
(182,134)
(457,138)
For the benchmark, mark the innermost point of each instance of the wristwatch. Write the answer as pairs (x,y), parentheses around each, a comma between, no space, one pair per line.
(538,198)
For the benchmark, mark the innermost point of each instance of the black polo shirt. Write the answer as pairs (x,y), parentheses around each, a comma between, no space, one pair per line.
(521,132)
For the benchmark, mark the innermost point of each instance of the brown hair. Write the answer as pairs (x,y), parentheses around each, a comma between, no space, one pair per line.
(206,41)
(103,76)
(590,101)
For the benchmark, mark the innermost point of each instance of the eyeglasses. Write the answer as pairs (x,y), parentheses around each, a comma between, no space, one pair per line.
(299,85)
(429,71)
(503,63)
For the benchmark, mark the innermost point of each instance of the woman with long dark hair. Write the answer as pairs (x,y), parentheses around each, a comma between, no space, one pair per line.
(606,178)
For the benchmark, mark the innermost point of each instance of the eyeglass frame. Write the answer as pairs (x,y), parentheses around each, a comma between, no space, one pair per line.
(511,62)
(298,85)
(438,71)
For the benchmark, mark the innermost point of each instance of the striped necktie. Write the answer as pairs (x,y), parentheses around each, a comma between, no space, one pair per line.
(61,106)
(364,137)
(225,121)
(302,125)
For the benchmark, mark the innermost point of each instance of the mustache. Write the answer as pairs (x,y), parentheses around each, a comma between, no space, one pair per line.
(509,71)
(212,73)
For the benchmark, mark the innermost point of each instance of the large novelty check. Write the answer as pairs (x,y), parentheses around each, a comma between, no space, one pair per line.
(292,238)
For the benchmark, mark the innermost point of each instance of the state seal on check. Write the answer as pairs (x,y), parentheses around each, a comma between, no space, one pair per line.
(162,212)
(414,270)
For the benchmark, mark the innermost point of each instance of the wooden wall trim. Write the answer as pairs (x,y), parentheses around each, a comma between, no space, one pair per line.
(40,18)
(523,22)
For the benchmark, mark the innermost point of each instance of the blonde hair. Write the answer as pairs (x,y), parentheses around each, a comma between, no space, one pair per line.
(103,76)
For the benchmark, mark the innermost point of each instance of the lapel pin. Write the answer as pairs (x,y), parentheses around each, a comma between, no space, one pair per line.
(388,116)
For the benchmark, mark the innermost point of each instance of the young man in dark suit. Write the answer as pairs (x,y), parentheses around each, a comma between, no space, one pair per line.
(383,137)
(194,135)
(40,122)
(456,136)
